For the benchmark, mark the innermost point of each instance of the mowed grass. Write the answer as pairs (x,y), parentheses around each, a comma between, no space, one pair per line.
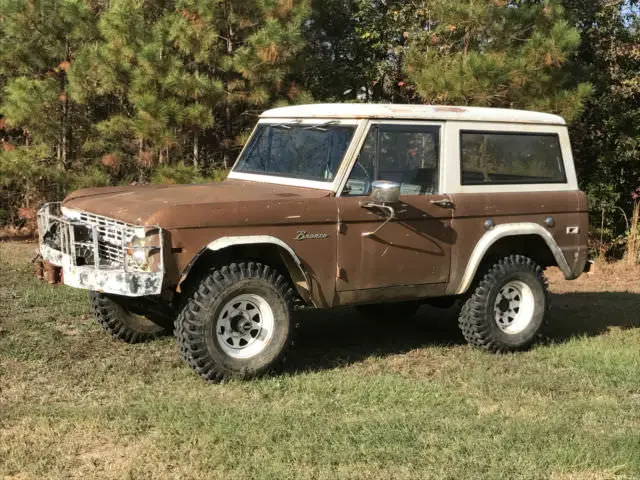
(357,400)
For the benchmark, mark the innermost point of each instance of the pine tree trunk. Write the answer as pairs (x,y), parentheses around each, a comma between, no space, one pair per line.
(228,126)
(196,153)
(227,116)
(140,166)
(64,135)
(64,121)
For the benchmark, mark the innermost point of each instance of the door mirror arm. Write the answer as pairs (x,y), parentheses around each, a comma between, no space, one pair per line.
(382,194)
(391,214)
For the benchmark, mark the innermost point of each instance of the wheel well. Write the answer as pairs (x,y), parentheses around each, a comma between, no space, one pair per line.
(265,253)
(532,246)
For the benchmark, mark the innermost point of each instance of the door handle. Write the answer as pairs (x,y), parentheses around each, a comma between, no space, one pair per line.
(444,203)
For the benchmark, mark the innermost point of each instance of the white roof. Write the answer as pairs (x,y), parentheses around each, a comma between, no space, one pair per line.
(412,112)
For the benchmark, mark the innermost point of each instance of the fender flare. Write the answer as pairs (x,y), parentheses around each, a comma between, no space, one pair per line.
(511,230)
(303,287)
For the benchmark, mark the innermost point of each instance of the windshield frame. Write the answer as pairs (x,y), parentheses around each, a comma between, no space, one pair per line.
(351,151)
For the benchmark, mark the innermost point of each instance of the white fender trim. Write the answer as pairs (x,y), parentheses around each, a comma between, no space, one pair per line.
(510,230)
(225,242)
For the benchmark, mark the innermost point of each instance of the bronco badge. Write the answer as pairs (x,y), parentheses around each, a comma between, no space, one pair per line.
(302,235)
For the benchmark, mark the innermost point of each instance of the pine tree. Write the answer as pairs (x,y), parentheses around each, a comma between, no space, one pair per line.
(39,40)
(357,49)
(501,53)
(186,75)
(117,78)
(192,33)
(261,39)
(606,137)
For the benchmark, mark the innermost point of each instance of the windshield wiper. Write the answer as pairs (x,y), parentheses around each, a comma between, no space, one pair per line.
(281,125)
(321,126)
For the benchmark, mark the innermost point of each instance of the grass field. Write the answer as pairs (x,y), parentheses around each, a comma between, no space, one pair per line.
(407,401)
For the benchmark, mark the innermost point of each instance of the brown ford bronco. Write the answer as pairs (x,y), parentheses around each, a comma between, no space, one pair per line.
(383,207)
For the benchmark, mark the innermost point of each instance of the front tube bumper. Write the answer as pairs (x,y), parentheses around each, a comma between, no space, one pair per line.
(97,261)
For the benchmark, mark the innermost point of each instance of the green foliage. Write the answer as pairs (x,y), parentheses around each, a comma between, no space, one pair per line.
(357,49)
(95,92)
(28,179)
(177,174)
(186,174)
(33,105)
(606,137)
(38,40)
(111,91)
(498,54)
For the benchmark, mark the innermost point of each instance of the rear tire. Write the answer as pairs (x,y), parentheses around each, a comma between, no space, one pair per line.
(506,311)
(238,323)
(121,323)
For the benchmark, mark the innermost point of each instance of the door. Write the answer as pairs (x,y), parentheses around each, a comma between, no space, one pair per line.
(415,247)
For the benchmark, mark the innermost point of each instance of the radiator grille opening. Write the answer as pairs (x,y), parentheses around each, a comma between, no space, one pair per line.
(113,236)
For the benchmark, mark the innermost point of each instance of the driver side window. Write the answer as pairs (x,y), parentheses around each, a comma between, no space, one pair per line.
(406,154)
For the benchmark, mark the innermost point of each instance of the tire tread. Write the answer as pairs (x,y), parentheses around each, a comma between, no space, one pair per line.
(472,320)
(189,329)
(109,315)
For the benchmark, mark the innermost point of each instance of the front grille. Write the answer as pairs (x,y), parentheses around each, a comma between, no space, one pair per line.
(113,236)
(93,240)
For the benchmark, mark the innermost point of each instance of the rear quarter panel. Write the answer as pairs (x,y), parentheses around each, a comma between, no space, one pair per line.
(566,208)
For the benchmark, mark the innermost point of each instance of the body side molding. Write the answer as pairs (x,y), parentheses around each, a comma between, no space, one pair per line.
(511,230)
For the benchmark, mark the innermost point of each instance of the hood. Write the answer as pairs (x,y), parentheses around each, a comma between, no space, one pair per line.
(143,204)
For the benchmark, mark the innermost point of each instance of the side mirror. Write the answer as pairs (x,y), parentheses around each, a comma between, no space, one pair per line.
(384,191)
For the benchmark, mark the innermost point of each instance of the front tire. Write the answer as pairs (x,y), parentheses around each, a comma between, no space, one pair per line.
(121,323)
(507,309)
(238,323)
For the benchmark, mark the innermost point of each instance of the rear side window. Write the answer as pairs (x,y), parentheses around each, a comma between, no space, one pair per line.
(505,158)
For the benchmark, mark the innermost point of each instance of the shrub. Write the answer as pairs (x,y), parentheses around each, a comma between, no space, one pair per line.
(28,179)
(185,174)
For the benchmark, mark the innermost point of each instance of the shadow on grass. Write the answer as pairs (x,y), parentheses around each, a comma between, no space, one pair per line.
(332,338)
(592,313)
(337,337)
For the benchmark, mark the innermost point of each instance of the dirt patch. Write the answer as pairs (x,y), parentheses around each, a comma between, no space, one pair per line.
(603,277)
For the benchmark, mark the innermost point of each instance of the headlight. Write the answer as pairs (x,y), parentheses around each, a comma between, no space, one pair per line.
(70,213)
(138,251)
(143,249)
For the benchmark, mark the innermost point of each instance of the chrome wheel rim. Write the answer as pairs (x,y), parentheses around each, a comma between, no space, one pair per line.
(245,326)
(514,307)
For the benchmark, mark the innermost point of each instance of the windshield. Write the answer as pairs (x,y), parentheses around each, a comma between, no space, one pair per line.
(309,152)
